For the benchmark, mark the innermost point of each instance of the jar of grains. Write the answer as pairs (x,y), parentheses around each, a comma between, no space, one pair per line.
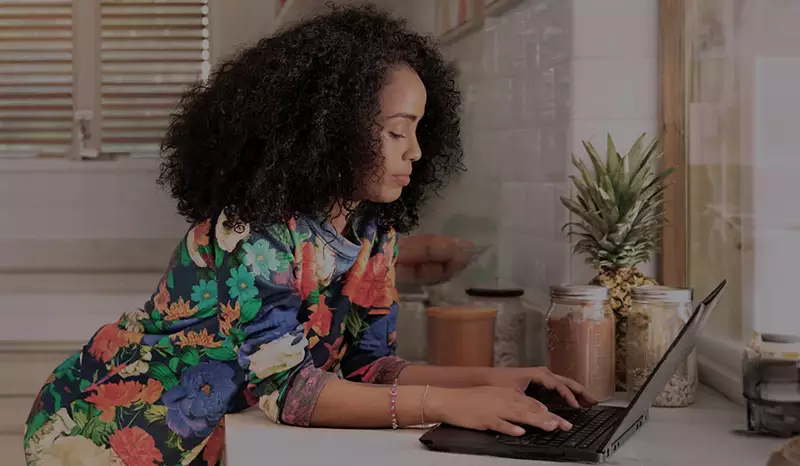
(510,325)
(656,316)
(580,337)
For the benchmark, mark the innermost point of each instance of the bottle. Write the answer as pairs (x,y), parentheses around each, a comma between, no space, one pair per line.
(580,337)
(656,317)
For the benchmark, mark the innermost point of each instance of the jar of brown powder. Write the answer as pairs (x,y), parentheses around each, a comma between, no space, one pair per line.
(580,337)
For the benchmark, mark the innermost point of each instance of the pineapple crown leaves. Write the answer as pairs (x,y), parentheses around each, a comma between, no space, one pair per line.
(618,204)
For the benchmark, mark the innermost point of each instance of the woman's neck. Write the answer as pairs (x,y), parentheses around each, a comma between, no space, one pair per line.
(340,216)
(339,223)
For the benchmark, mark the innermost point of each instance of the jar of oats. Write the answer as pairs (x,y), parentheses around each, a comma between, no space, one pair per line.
(656,317)
(580,337)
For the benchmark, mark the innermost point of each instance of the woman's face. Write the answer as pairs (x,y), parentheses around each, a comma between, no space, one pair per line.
(402,103)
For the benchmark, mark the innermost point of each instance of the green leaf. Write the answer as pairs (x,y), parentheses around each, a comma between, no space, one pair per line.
(613,160)
(591,218)
(164,342)
(81,418)
(98,431)
(284,261)
(281,234)
(206,312)
(82,406)
(634,157)
(174,441)
(156,414)
(249,310)
(601,174)
(353,322)
(36,423)
(84,385)
(313,297)
(56,397)
(170,280)
(185,258)
(190,356)
(643,166)
(173,364)
(221,354)
(65,367)
(163,374)
(219,255)
(238,335)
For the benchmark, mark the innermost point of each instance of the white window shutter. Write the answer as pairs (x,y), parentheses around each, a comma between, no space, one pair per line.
(36,77)
(151,51)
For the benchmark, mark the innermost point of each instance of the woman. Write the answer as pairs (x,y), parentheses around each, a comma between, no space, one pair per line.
(297,164)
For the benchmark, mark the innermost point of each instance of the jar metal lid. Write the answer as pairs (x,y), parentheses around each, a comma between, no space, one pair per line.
(495,292)
(583,292)
(461,313)
(661,294)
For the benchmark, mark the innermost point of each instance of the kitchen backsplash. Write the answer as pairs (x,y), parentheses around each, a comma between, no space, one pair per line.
(537,80)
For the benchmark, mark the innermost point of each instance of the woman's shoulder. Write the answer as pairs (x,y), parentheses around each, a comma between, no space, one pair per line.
(231,234)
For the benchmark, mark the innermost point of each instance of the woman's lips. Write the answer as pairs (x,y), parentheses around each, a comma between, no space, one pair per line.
(402,180)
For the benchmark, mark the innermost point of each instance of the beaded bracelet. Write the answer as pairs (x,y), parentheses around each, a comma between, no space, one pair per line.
(393,395)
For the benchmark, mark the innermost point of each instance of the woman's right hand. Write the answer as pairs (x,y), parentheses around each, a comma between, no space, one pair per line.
(499,409)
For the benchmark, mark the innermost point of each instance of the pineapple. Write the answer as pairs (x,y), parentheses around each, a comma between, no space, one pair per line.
(618,216)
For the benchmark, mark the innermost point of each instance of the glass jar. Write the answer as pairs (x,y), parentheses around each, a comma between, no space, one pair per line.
(461,336)
(412,323)
(580,337)
(771,385)
(656,316)
(509,327)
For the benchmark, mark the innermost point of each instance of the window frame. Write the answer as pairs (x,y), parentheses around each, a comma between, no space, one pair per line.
(87,88)
(719,355)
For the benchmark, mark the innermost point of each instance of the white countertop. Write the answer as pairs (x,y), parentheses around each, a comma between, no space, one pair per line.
(707,433)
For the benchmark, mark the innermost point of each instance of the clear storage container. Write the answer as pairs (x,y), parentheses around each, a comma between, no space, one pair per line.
(461,336)
(771,385)
(580,337)
(510,324)
(656,316)
(412,323)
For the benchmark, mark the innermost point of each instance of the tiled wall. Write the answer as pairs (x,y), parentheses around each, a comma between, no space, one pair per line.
(537,80)
(615,85)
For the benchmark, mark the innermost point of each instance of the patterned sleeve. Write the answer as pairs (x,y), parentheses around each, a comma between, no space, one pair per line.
(262,291)
(370,357)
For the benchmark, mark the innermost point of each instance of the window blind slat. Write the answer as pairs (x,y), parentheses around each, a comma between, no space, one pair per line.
(36,83)
(151,51)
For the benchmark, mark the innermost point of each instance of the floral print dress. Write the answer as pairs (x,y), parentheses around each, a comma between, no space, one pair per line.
(239,318)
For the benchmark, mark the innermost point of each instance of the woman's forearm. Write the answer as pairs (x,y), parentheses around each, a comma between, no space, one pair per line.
(444,376)
(357,405)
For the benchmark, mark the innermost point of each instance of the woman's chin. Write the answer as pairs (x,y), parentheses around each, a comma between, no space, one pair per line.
(387,195)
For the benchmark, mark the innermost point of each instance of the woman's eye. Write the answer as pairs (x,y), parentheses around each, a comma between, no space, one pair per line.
(396,135)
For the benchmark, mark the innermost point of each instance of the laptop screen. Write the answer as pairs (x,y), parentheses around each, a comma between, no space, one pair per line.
(669,363)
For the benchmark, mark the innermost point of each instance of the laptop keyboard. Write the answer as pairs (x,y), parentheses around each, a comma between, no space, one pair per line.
(588,426)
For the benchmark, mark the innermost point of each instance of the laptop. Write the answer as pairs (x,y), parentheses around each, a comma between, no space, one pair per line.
(598,431)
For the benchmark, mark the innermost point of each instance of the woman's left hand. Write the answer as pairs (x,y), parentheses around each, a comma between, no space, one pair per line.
(518,378)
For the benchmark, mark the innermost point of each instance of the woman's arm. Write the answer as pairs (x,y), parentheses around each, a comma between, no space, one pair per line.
(444,376)
(358,405)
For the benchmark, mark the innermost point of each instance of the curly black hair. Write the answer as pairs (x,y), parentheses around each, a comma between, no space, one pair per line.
(286,127)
